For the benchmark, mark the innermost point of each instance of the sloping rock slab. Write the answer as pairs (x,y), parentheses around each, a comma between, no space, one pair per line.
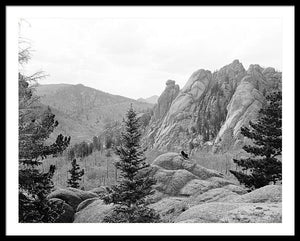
(169,208)
(169,161)
(93,213)
(266,194)
(213,195)
(208,212)
(220,182)
(196,186)
(174,161)
(85,203)
(237,189)
(255,213)
(171,181)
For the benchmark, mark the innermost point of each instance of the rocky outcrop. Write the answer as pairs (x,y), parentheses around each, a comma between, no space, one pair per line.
(93,213)
(210,109)
(243,107)
(184,195)
(173,173)
(72,196)
(165,100)
(266,194)
(212,195)
(68,211)
(162,107)
(254,213)
(206,213)
(220,212)
(174,161)
(85,203)
(169,208)
(262,205)
(70,199)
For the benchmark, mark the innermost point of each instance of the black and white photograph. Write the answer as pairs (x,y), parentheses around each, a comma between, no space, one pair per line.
(180,118)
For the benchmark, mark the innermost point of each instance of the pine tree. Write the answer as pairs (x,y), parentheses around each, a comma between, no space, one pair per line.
(76,175)
(129,196)
(35,126)
(263,166)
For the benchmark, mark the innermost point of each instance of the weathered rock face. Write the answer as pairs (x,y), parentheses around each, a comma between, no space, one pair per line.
(161,109)
(244,106)
(210,109)
(172,130)
(165,100)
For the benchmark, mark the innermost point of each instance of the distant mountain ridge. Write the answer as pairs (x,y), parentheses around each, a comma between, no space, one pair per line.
(152,99)
(82,111)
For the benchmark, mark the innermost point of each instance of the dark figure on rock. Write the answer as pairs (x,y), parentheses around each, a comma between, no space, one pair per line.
(184,155)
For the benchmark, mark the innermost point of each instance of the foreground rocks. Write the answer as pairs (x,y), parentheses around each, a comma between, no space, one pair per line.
(220,212)
(70,198)
(93,213)
(184,195)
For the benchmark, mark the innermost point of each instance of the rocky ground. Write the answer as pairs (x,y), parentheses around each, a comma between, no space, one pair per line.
(185,193)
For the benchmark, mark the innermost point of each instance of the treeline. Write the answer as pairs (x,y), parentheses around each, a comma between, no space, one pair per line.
(84,149)
(108,139)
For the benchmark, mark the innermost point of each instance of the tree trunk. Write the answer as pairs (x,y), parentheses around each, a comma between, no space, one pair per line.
(107,169)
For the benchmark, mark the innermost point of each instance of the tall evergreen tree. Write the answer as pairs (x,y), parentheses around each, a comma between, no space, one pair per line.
(263,166)
(76,175)
(129,196)
(35,126)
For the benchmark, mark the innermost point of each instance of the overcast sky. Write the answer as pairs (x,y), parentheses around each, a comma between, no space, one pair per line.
(135,57)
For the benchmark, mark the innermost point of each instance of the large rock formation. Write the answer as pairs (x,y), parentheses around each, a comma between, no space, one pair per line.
(160,110)
(173,173)
(210,109)
(165,99)
(185,194)
(245,104)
